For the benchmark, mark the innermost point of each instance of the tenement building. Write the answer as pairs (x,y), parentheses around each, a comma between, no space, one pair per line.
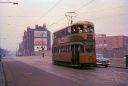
(112,46)
(35,41)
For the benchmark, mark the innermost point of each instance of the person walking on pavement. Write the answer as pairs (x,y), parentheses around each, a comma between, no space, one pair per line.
(0,58)
(43,52)
(126,60)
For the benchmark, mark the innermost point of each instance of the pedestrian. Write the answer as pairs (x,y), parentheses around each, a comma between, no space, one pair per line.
(42,52)
(0,58)
(126,60)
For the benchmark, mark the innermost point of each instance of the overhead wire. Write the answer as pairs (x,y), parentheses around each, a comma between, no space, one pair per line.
(86,4)
(96,11)
(108,16)
(104,10)
(49,10)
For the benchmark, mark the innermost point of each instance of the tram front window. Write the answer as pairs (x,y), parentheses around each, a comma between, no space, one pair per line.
(89,50)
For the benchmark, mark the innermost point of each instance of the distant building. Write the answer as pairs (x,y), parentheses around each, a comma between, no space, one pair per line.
(3,52)
(112,46)
(35,40)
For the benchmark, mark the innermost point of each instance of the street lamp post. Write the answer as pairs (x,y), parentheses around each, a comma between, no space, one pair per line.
(15,3)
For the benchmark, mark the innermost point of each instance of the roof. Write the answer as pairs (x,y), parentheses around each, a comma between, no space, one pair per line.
(78,23)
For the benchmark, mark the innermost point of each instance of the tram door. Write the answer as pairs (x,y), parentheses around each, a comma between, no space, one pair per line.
(75,54)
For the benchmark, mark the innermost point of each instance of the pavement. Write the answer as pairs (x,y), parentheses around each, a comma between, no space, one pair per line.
(117,63)
(2,79)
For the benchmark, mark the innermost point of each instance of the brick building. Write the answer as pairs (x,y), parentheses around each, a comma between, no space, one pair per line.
(35,40)
(112,46)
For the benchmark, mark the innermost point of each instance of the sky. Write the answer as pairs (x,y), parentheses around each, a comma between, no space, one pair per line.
(110,17)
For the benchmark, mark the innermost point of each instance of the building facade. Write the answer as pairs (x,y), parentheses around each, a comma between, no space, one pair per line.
(112,46)
(35,41)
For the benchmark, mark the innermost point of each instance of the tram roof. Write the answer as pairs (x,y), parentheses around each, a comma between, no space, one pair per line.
(77,23)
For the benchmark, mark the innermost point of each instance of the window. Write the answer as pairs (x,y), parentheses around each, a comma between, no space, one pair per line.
(81,48)
(90,29)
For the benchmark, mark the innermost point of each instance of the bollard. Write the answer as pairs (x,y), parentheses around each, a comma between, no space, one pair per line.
(126,61)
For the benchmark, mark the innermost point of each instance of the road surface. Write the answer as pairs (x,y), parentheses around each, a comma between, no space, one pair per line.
(38,71)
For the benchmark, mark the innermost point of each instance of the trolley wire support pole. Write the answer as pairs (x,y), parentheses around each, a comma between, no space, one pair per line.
(69,16)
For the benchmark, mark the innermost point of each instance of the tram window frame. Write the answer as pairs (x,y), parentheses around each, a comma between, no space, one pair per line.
(68,30)
(91,48)
(66,48)
(62,48)
(85,28)
(81,49)
(74,29)
(80,28)
(90,29)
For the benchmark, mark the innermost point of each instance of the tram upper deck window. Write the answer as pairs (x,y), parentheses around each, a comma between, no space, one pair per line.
(89,29)
(76,29)
(68,31)
(82,29)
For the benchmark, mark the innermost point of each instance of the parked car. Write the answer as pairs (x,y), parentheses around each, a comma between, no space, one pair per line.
(102,61)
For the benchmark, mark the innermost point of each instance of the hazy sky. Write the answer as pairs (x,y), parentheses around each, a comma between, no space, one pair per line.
(109,17)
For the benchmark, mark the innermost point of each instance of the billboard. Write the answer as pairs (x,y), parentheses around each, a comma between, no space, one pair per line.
(38,48)
(44,34)
(40,39)
(44,41)
(40,33)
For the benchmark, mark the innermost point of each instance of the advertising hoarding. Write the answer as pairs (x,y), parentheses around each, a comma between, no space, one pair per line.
(38,48)
(40,33)
(44,34)
(40,39)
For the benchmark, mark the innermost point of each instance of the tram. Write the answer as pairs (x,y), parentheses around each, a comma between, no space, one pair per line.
(74,45)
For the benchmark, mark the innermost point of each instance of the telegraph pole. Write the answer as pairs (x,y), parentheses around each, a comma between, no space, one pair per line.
(69,16)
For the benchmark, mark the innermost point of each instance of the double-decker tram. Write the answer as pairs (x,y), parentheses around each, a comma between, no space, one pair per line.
(74,45)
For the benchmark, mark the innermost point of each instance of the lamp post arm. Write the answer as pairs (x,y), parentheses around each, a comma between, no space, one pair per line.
(10,2)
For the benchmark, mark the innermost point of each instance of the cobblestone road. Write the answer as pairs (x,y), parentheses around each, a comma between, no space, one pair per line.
(99,76)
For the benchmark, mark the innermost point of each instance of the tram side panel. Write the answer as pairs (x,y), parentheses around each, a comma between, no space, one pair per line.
(65,57)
